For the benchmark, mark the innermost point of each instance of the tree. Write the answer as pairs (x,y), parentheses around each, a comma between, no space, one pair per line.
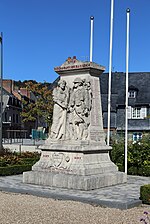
(41,106)
(22,84)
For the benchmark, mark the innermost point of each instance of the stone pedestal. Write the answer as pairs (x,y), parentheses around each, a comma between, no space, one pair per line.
(81,161)
(76,166)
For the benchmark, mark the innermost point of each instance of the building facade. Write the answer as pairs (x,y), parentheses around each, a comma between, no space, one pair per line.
(139,103)
(13,127)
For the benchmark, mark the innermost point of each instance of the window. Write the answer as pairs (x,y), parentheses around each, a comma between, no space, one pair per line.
(5,116)
(17,118)
(137,112)
(13,118)
(137,136)
(14,101)
(10,101)
(132,94)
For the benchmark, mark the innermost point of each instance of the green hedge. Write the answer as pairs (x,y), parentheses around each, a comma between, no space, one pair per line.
(141,171)
(13,170)
(145,194)
(138,156)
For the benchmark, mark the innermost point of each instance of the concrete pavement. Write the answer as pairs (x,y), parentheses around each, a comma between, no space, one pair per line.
(122,196)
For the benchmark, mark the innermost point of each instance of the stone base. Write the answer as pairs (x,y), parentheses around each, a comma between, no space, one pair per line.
(77,182)
(76,165)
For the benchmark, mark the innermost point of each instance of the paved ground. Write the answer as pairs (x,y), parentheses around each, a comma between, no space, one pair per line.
(120,196)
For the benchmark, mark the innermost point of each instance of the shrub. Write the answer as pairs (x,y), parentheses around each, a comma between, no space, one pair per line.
(5,151)
(28,154)
(145,194)
(15,160)
(13,170)
(138,156)
(117,154)
(141,171)
(14,163)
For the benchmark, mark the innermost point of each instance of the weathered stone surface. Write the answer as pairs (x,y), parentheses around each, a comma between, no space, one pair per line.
(80,163)
(75,155)
(79,182)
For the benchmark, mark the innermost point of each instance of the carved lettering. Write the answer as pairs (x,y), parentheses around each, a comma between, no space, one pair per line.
(77,157)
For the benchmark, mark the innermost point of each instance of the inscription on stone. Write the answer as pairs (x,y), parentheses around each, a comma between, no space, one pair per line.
(57,159)
(45,155)
(77,157)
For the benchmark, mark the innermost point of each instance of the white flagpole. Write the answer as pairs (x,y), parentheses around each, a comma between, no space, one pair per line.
(1,89)
(126,105)
(110,70)
(91,39)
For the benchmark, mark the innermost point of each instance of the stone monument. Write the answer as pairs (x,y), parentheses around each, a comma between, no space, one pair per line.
(75,156)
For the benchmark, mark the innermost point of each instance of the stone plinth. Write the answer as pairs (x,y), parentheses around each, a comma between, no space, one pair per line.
(78,182)
(75,166)
(75,156)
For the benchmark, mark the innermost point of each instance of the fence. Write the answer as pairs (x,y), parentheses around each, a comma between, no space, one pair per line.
(20,137)
(38,134)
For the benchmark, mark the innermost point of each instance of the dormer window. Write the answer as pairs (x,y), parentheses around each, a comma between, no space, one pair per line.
(132,94)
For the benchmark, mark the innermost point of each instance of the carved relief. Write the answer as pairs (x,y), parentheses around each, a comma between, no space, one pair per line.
(57,159)
(54,161)
(72,110)
(60,98)
(60,161)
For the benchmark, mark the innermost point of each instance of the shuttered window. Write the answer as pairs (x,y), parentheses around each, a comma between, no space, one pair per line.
(139,112)
(129,112)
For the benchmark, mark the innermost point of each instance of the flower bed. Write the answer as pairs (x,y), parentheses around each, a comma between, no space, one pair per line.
(14,163)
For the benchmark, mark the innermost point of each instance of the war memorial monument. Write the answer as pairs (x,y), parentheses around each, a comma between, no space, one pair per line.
(75,156)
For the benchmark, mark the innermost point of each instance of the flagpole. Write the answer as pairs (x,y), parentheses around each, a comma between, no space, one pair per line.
(127,81)
(110,70)
(1,88)
(91,39)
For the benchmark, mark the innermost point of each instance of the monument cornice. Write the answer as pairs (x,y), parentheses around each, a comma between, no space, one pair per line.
(79,66)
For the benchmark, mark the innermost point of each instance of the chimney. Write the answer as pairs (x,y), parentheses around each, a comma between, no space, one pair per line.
(8,85)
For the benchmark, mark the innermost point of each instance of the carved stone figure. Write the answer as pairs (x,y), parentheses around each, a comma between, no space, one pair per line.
(60,98)
(79,109)
(70,126)
(71,113)
(88,107)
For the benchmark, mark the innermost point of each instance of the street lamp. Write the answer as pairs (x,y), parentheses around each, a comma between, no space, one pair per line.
(1,88)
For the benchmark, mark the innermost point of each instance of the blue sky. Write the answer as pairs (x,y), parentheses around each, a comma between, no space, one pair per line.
(39,35)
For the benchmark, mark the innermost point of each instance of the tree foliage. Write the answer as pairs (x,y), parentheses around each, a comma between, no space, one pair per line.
(39,107)
(22,84)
